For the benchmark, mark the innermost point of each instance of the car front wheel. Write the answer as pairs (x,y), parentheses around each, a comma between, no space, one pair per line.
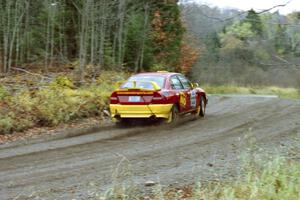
(202,107)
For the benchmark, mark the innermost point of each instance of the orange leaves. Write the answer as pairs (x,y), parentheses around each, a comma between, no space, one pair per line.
(188,56)
(167,35)
(159,36)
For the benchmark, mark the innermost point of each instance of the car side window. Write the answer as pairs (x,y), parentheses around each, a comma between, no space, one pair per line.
(185,82)
(175,83)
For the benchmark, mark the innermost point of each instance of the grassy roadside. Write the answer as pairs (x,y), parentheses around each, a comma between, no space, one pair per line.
(55,102)
(288,93)
(276,179)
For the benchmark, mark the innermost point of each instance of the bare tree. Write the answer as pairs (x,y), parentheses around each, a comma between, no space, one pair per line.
(144,37)
(11,17)
(119,36)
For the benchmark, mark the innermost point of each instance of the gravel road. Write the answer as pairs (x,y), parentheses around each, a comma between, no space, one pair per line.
(201,150)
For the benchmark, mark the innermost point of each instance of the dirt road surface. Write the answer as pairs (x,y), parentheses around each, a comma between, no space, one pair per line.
(201,150)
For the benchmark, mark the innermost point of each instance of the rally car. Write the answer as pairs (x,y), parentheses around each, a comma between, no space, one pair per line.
(155,95)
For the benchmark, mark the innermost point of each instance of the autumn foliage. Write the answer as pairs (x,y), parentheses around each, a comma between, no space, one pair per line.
(167,35)
(188,56)
(159,36)
(172,48)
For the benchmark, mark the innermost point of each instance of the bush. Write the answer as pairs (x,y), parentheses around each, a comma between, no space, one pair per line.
(52,106)
(6,124)
(3,93)
(62,82)
(58,102)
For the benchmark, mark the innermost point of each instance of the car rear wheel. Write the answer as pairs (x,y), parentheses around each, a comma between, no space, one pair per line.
(173,116)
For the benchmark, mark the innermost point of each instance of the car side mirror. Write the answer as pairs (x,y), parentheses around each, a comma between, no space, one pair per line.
(194,85)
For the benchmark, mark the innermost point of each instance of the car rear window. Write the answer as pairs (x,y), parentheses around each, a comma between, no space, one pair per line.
(142,81)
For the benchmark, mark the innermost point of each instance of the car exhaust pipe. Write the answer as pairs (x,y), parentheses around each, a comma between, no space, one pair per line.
(153,117)
(118,117)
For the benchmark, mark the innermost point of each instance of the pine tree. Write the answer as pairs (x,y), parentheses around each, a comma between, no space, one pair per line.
(256,24)
(281,40)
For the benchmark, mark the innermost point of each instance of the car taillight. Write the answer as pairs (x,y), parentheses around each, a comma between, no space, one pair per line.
(157,98)
(114,98)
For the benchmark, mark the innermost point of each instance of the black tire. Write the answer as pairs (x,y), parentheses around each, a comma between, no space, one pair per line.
(175,116)
(123,122)
(202,106)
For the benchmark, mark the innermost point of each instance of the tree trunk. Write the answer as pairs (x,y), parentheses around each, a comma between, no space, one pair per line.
(121,17)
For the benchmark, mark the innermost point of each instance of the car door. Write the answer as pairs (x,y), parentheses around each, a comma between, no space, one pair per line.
(177,86)
(191,95)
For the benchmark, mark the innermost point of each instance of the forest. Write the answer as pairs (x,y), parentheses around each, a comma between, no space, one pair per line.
(129,35)
(216,46)
(245,47)
(60,60)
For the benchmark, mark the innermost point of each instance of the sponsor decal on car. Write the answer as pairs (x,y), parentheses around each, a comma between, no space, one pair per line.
(193,99)
(182,99)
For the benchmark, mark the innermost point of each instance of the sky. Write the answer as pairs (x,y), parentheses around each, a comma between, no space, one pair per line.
(257,5)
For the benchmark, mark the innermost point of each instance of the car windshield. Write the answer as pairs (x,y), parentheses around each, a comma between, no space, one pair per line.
(144,82)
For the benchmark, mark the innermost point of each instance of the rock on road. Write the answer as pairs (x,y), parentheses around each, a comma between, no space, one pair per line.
(205,149)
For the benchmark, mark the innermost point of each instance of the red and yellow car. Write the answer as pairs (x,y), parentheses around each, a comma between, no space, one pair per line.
(163,95)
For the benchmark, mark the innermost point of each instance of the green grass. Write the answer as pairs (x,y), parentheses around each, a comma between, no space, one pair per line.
(277,179)
(288,93)
(265,177)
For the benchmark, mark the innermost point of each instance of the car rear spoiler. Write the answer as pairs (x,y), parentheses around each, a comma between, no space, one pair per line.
(135,86)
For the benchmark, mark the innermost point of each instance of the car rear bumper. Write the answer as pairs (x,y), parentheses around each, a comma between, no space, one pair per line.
(140,111)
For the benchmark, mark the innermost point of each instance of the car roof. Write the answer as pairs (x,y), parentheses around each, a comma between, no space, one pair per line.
(160,73)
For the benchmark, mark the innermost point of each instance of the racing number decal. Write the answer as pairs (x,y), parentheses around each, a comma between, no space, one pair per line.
(193,99)
(182,99)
